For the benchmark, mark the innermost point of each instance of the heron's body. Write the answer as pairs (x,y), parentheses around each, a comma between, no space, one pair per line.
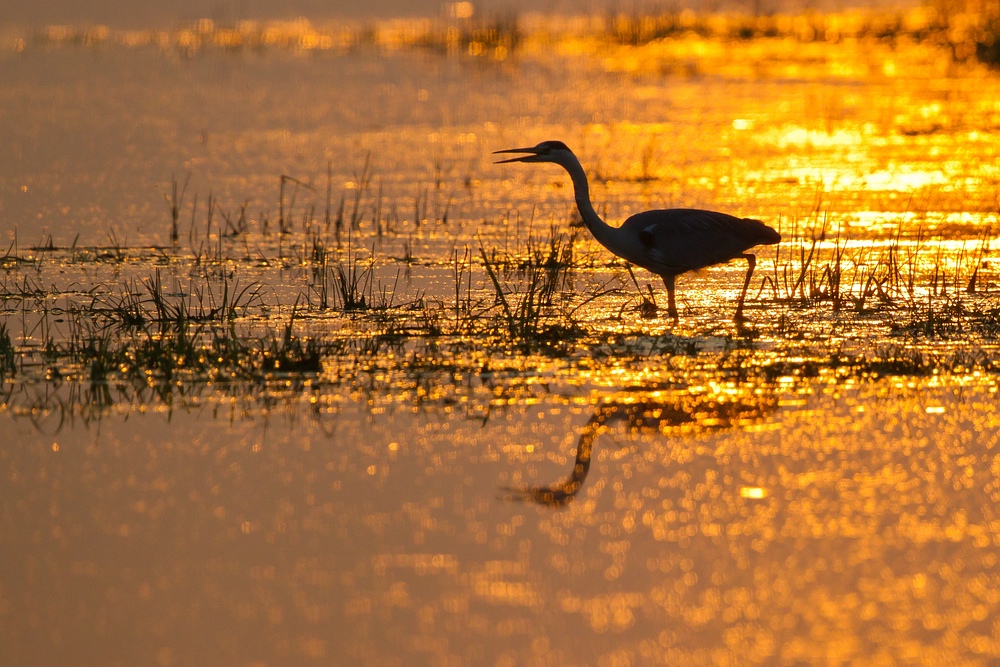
(667,242)
(662,240)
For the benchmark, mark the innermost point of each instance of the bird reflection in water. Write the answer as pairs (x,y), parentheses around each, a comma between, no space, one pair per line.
(648,416)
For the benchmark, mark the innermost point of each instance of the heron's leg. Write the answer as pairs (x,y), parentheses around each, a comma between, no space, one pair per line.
(751,264)
(668,280)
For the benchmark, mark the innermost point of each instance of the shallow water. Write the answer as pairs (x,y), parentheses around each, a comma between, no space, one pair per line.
(433,488)
(827,523)
(873,136)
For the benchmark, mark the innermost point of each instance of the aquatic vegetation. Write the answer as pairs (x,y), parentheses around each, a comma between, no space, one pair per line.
(528,305)
(522,293)
(891,307)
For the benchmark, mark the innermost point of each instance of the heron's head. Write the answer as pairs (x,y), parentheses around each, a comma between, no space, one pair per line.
(547,151)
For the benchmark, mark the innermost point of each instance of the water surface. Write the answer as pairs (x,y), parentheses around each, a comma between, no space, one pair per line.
(212,457)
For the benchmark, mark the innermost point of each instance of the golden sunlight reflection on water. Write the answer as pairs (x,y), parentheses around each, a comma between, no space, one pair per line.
(710,524)
(763,127)
(819,488)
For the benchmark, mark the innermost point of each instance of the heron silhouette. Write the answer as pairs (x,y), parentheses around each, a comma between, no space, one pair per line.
(667,242)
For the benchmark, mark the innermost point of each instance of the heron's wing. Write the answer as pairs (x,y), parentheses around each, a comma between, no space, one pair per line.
(682,239)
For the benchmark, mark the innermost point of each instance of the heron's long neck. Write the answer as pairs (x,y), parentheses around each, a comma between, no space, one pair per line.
(602,231)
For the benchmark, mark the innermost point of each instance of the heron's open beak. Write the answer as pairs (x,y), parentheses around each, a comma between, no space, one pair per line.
(532,154)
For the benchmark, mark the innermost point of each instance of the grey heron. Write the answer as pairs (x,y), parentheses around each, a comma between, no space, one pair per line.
(667,242)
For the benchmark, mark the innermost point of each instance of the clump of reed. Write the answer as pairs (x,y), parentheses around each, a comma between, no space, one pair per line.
(198,303)
(179,351)
(891,278)
(347,285)
(532,290)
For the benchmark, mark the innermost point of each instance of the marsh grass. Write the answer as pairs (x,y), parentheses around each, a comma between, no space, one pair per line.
(896,277)
(128,307)
(353,282)
(182,352)
(532,287)
(199,302)
(345,313)
(175,200)
(12,258)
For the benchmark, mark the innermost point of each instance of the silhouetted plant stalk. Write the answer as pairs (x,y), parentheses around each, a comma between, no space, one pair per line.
(200,303)
(283,226)
(8,356)
(176,201)
(353,284)
(844,274)
(525,288)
